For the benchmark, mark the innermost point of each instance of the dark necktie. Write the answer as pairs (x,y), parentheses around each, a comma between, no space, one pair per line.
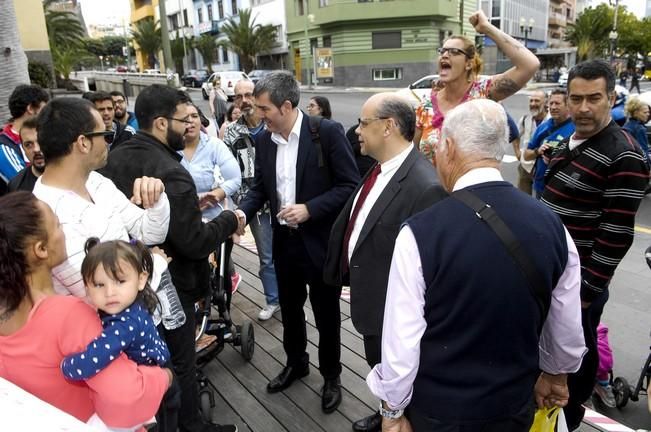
(366,188)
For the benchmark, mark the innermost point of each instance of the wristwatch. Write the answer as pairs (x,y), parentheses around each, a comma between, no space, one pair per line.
(390,414)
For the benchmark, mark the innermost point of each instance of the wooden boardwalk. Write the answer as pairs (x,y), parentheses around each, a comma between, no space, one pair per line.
(240,386)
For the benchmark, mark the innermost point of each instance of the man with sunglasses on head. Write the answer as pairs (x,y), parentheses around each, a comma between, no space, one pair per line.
(106,106)
(163,114)
(71,135)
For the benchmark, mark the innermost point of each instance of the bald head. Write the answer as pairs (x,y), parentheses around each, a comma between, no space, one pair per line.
(389,105)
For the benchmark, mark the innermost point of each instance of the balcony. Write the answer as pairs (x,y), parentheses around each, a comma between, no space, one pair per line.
(211,27)
(338,11)
(557,20)
(144,11)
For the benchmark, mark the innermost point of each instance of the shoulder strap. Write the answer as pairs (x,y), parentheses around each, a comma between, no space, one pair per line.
(511,243)
(315,126)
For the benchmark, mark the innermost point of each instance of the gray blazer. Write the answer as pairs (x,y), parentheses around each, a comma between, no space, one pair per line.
(413,188)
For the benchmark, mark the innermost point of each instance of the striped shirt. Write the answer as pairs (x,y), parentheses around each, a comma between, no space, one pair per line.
(596,189)
(12,160)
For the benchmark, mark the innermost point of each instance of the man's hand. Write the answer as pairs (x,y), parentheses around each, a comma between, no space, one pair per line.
(396,425)
(147,191)
(551,390)
(158,251)
(294,214)
(241,222)
(479,21)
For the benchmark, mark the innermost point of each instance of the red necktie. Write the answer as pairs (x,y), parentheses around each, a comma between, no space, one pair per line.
(366,188)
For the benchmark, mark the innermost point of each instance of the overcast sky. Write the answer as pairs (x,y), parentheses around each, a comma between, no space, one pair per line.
(115,11)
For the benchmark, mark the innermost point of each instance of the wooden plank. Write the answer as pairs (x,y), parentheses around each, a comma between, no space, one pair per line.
(223,413)
(290,415)
(256,417)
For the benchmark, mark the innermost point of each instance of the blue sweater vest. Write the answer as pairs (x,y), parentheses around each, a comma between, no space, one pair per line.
(479,353)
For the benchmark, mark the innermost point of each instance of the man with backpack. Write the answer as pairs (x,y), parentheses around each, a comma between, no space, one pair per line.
(240,137)
(306,171)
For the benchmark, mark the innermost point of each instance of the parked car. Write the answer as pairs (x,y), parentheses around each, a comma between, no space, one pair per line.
(122,68)
(194,78)
(257,74)
(152,71)
(415,92)
(562,80)
(228,81)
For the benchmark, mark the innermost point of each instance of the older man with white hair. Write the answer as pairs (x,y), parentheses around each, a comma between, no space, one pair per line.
(483,294)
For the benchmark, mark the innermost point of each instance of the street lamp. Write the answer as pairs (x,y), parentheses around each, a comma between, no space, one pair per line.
(308,18)
(613,44)
(101,62)
(526,29)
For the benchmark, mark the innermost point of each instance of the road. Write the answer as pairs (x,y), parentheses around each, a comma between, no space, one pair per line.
(628,312)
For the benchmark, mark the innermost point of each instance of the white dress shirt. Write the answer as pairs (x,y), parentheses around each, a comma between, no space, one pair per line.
(286,158)
(561,345)
(110,216)
(388,169)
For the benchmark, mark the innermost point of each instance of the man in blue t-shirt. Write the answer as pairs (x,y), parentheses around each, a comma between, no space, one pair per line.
(548,136)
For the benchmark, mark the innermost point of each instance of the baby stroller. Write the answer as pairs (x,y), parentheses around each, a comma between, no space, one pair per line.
(621,389)
(222,328)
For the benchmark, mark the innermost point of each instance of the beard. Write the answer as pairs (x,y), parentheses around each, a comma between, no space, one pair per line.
(175,140)
(119,115)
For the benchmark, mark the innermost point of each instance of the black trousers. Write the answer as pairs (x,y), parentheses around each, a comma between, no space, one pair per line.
(520,422)
(181,344)
(295,270)
(582,382)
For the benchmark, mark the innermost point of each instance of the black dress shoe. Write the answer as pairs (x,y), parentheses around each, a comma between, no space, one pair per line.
(331,395)
(372,423)
(287,377)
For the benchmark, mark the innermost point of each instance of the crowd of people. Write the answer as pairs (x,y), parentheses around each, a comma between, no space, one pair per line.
(99,203)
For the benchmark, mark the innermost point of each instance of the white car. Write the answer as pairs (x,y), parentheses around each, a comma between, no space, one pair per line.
(228,81)
(416,91)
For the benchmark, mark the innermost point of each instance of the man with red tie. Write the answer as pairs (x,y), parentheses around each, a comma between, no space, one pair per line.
(400,184)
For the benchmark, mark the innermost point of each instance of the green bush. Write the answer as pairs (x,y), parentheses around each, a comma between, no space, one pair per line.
(39,73)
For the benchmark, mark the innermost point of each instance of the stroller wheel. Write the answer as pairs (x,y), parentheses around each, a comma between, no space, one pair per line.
(247,339)
(207,403)
(622,391)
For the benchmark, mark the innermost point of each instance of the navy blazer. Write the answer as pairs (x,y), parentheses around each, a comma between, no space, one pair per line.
(324,193)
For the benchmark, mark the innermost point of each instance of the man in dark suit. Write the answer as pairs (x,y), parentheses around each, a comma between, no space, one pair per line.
(307,184)
(401,184)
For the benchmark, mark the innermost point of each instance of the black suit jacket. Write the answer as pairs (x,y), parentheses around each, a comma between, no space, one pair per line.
(413,188)
(323,193)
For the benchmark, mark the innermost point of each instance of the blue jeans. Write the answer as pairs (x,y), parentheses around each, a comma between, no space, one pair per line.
(261,229)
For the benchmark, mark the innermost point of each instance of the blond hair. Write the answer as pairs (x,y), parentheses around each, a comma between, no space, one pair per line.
(632,106)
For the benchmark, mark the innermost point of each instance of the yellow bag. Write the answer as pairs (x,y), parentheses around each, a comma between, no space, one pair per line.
(545,420)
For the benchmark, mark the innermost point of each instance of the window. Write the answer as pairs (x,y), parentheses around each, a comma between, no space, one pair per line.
(200,15)
(224,55)
(209,9)
(234,7)
(387,74)
(496,11)
(386,40)
(220,8)
(279,34)
(300,11)
(185,17)
(327,41)
(323,3)
(364,1)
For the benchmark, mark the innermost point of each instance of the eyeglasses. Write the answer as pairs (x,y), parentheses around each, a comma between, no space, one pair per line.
(108,135)
(183,120)
(453,51)
(245,95)
(363,122)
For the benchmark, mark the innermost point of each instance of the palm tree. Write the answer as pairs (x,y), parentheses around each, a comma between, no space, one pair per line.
(590,32)
(63,28)
(179,51)
(65,60)
(207,47)
(147,35)
(14,63)
(246,38)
